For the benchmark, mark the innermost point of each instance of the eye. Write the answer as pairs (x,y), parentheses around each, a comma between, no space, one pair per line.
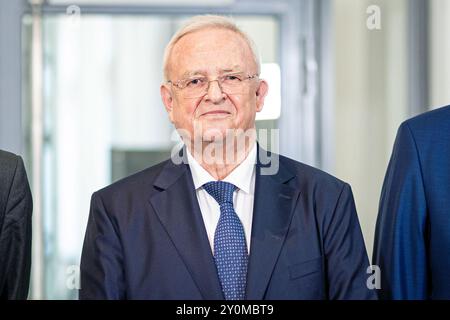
(195,82)
(233,78)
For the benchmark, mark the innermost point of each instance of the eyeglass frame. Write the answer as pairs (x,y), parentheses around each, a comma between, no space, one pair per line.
(177,83)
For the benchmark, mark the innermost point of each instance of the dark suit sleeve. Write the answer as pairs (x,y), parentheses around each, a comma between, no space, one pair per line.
(15,241)
(102,274)
(399,248)
(346,256)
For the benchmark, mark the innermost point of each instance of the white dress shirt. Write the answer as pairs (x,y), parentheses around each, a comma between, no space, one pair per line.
(243,177)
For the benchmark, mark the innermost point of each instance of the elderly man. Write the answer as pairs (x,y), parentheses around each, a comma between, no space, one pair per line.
(16,207)
(216,225)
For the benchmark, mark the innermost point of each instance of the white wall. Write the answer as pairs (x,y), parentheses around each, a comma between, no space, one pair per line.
(439,53)
(371,100)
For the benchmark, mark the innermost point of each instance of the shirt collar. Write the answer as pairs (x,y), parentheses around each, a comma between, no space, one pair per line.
(241,176)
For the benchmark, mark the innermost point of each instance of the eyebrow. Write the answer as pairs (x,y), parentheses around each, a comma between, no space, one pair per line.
(236,67)
(192,73)
(202,72)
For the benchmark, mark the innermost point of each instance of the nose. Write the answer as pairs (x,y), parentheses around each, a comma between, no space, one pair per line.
(214,93)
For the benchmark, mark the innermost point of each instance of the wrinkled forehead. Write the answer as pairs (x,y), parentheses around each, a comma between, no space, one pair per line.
(211,51)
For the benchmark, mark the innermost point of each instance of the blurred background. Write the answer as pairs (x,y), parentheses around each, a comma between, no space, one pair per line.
(79,96)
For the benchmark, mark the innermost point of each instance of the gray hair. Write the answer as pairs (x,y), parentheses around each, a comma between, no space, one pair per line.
(201,22)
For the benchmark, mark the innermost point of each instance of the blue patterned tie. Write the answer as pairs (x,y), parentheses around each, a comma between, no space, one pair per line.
(230,247)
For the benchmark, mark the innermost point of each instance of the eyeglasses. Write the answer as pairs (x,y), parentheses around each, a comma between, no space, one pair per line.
(196,87)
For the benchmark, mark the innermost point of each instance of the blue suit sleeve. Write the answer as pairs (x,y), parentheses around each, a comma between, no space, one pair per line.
(101,270)
(400,236)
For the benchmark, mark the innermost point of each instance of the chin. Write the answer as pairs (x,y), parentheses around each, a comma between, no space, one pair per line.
(213,135)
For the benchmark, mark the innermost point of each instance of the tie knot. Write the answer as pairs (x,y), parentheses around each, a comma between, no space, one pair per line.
(221,191)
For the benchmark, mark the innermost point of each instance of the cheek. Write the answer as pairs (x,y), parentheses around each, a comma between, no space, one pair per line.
(239,102)
(243,105)
(183,111)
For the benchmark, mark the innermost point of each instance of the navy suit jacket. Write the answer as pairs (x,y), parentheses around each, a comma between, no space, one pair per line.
(146,239)
(16,206)
(412,240)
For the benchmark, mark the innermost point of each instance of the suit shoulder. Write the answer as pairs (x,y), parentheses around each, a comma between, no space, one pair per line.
(308,175)
(8,160)
(426,132)
(11,167)
(434,120)
(319,190)
(135,182)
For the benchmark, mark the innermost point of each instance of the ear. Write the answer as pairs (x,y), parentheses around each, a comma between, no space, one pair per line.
(261,94)
(167,99)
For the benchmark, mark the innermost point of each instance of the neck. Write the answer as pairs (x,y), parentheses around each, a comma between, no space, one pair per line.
(219,159)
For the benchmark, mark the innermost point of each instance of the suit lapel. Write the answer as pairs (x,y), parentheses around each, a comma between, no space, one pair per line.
(178,210)
(272,214)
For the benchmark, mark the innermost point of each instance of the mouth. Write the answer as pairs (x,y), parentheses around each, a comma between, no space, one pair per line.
(216,113)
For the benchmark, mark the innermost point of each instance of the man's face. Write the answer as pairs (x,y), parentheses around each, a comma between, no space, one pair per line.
(213,53)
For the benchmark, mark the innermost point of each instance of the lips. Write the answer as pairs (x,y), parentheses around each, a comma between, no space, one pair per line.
(216,112)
